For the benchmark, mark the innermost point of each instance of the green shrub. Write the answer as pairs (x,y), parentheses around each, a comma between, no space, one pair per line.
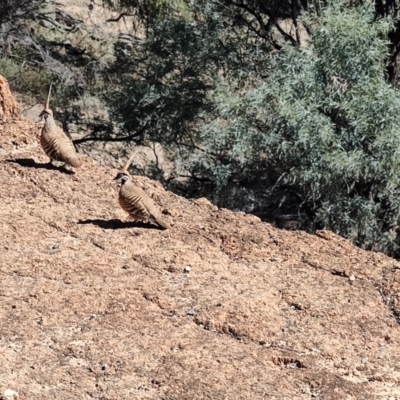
(327,122)
(8,67)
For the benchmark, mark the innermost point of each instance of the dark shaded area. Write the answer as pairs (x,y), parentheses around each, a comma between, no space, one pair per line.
(281,205)
(18,10)
(29,163)
(118,224)
(391,8)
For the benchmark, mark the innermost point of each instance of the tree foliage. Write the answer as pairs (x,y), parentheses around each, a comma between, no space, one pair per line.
(147,9)
(327,121)
(315,123)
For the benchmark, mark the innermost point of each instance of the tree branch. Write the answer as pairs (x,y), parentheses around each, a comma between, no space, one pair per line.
(119,17)
(106,139)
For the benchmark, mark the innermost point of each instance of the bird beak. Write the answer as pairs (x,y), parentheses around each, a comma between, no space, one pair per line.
(119,180)
(43,114)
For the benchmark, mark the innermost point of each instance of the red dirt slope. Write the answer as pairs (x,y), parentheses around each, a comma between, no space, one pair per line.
(95,308)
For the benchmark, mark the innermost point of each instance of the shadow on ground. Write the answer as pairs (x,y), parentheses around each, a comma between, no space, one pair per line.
(117,224)
(30,163)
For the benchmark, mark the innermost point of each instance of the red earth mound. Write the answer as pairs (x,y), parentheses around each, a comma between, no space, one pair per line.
(9,108)
(94,306)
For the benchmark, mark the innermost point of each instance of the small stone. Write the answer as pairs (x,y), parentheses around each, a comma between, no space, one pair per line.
(187,269)
(352,278)
(104,367)
(202,201)
(9,394)
(171,212)
(191,312)
(56,246)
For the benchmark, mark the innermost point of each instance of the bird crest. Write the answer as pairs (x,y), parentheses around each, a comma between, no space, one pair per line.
(48,97)
(124,170)
(127,164)
(46,111)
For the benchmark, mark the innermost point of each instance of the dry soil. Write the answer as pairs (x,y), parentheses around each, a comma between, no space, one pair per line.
(220,306)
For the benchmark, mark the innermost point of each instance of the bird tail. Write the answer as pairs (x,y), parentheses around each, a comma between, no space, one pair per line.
(160,222)
(73,160)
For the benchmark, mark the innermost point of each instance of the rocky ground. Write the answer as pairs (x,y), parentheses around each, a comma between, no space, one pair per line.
(220,306)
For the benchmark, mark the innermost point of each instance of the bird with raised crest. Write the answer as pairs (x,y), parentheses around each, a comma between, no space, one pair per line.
(134,200)
(55,143)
